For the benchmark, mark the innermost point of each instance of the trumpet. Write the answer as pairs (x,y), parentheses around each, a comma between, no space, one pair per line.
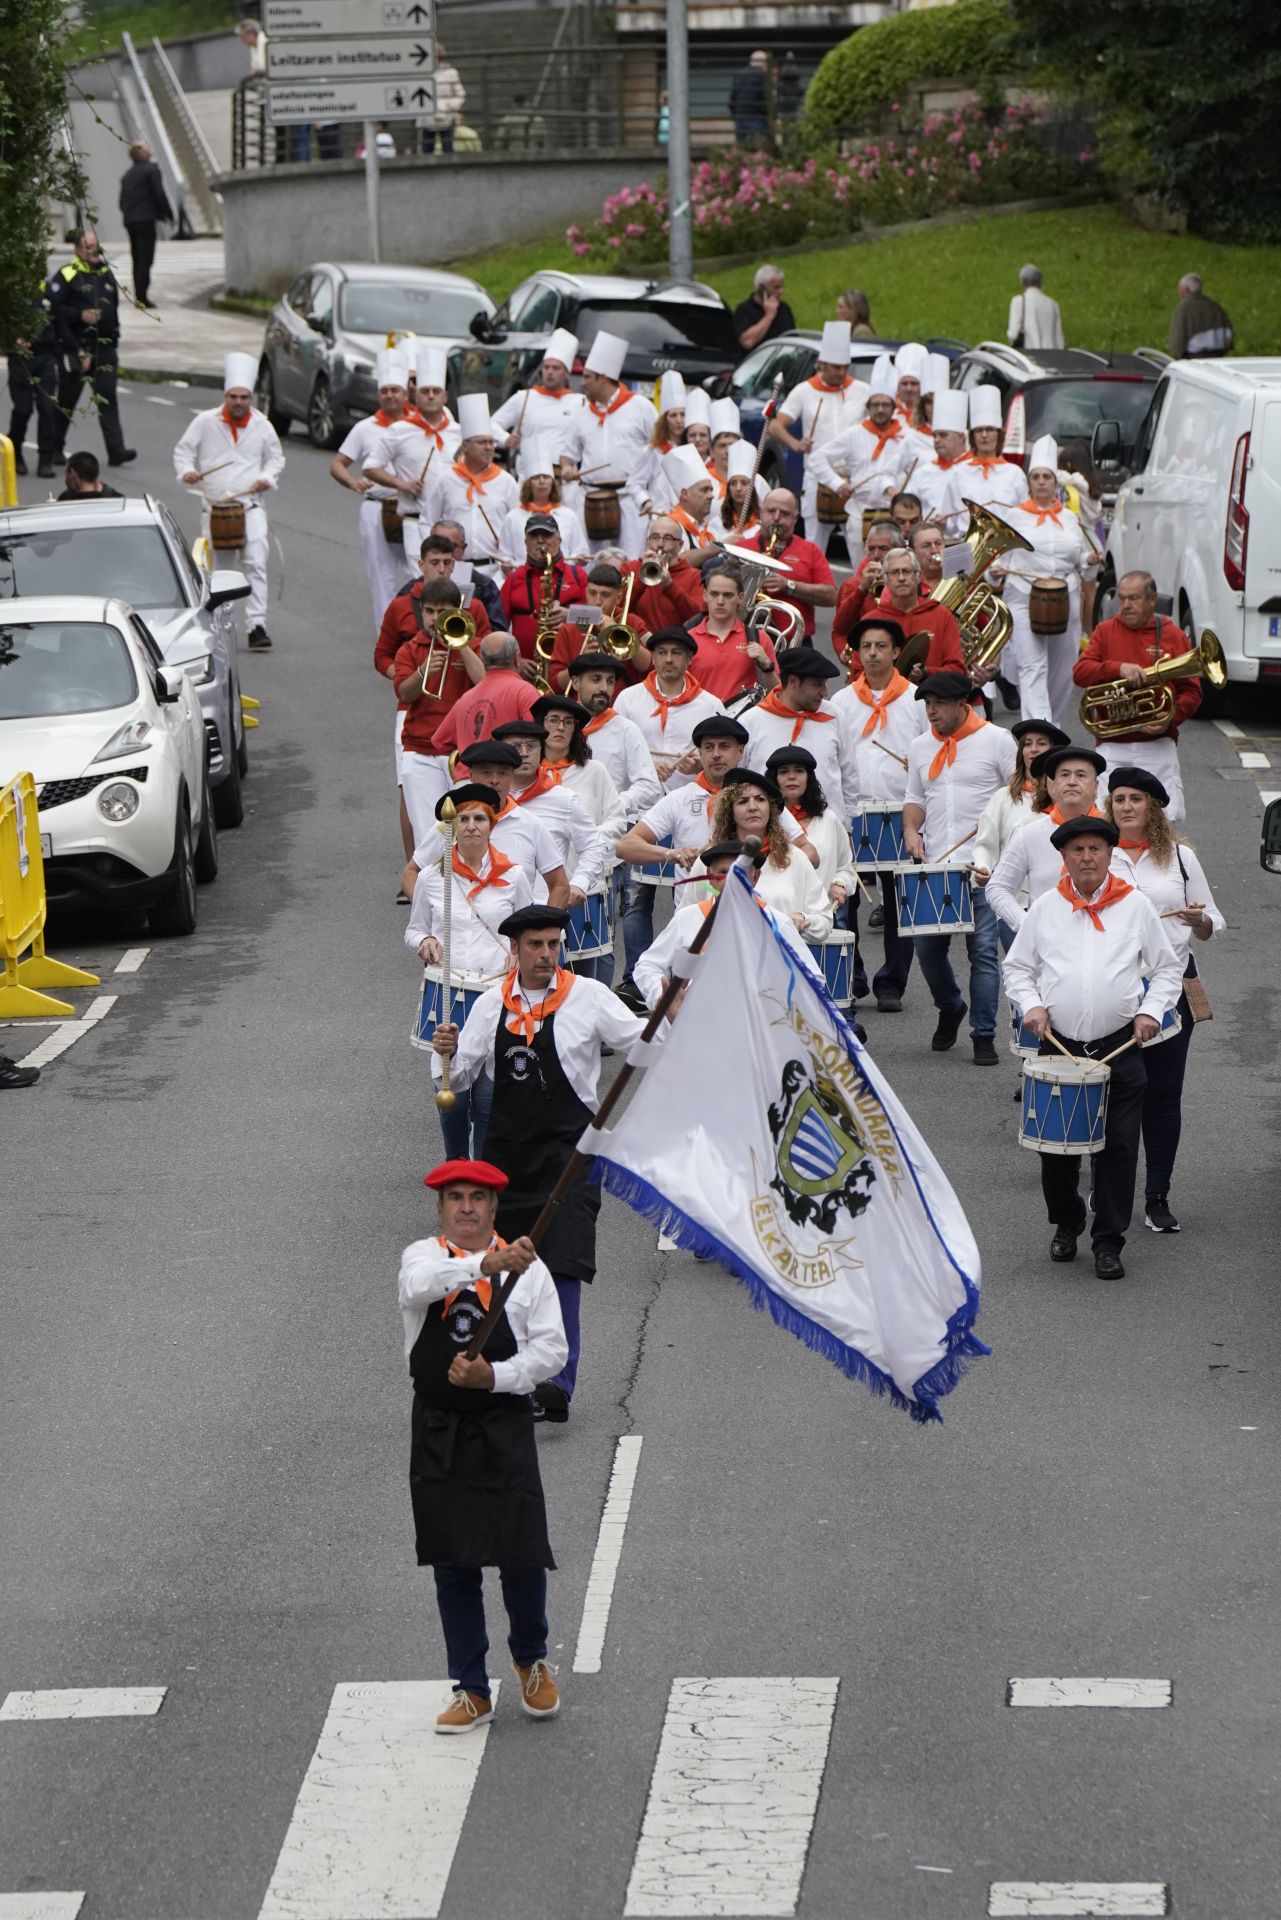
(652,573)
(982,616)
(615,637)
(454,629)
(1146,705)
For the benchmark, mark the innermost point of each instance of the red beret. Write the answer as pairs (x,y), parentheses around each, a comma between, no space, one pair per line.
(458,1173)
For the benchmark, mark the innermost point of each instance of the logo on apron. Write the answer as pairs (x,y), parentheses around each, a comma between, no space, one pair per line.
(462,1321)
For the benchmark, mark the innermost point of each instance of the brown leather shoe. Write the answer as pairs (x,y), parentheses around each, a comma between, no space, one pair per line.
(465,1711)
(539,1694)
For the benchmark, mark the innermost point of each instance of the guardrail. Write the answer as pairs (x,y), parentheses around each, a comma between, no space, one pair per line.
(23,908)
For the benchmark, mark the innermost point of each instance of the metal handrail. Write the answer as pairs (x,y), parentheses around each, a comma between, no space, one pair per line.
(187,133)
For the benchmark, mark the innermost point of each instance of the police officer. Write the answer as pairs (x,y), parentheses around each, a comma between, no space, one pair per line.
(33,386)
(86,313)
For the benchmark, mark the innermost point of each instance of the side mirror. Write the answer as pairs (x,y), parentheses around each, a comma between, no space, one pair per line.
(479,326)
(320,323)
(718,388)
(169,685)
(224,585)
(1270,848)
(1106,444)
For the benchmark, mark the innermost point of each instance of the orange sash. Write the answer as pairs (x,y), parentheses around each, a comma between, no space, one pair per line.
(946,754)
(526,1019)
(1115,890)
(773,704)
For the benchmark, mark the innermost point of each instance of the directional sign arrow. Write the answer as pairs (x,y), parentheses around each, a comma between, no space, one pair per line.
(418,15)
(420,97)
(420,55)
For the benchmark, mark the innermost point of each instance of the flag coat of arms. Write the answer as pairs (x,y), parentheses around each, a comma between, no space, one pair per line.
(762,1134)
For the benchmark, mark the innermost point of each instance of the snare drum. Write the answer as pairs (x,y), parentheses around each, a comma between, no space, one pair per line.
(933,900)
(1065,1105)
(829,508)
(876,835)
(1049,604)
(835,960)
(1171,1024)
(226,524)
(463,995)
(1023,1042)
(602,513)
(589,933)
(393,524)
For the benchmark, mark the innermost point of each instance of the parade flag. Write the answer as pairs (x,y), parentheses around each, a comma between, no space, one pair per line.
(763,1135)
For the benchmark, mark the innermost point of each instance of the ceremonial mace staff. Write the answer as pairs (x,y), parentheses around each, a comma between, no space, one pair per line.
(578,1159)
(446,1097)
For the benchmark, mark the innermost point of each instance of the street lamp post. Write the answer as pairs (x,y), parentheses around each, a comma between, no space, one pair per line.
(680,239)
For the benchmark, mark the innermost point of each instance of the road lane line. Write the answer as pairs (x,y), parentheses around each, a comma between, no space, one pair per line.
(69,1032)
(732,1798)
(131,959)
(82,1703)
(1230,730)
(609,1548)
(1253,760)
(1090,1693)
(1111,1899)
(1267,798)
(40,1906)
(380,1810)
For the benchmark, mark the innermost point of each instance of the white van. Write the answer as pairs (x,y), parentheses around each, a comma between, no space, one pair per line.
(1202,510)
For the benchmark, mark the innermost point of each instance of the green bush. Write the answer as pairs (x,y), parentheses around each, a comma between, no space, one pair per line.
(968,41)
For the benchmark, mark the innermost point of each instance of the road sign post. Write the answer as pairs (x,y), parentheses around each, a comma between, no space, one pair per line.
(373,193)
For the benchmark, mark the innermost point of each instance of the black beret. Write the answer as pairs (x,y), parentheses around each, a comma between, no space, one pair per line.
(593,663)
(721,850)
(806,663)
(679,637)
(1055,735)
(1078,828)
(874,625)
(559,703)
(489,753)
(1047,763)
(486,796)
(1141,780)
(947,685)
(533,920)
(720,726)
(791,757)
(519,730)
(745,777)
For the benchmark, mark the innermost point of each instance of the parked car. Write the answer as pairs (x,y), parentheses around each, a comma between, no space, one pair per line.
(133,550)
(1067,393)
(325,333)
(681,324)
(113,735)
(1202,510)
(1270,841)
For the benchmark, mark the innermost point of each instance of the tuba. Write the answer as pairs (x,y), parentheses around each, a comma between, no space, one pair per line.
(1146,705)
(982,616)
(777,621)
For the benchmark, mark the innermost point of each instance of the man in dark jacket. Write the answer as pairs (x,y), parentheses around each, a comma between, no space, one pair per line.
(86,313)
(143,201)
(33,385)
(749,102)
(1200,329)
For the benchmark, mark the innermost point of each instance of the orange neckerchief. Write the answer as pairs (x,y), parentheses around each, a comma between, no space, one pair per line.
(601,720)
(1133,846)
(382,419)
(236,425)
(821,386)
(542,782)
(705,906)
(526,1019)
(1042,513)
(499,864)
(880,701)
(689,691)
(620,399)
(481,1287)
(947,751)
(1059,818)
(552,393)
(721,486)
(437,433)
(557,769)
(713,794)
(883,435)
(476,482)
(985,460)
(700,536)
(773,704)
(1115,890)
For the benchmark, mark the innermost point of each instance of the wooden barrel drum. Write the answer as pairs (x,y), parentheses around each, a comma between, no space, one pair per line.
(1048,607)
(226,524)
(602,513)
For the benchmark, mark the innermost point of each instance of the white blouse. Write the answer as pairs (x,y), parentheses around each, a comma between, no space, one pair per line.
(477,951)
(796,888)
(573,534)
(1166,888)
(1000,820)
(1058,552)
(831,842)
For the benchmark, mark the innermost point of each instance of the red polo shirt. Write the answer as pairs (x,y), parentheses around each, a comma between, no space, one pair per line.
(808,566)
(1112,642)
(399,626)
(499,696)
(722,666)
(670,606)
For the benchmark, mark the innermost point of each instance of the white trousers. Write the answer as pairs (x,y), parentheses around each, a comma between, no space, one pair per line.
(1160,757)
(414,531)
(251,559)
(400,751)
(1044,663)
(424,779)
(384,564)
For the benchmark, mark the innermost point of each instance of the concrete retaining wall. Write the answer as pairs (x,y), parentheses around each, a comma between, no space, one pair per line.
(433,210)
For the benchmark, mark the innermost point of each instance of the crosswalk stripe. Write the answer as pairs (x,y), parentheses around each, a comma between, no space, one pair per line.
(733,1797)
(609,1549)
(1106,1899)
(40,1906)
(1090,1693)
(82,1703)
(380,1810)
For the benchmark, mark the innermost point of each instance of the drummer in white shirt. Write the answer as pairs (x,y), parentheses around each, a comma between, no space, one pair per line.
(1044,662)
(654,967)
(416,452)
(865,464)
(240,451)
(1030,865)
(939,482)
(986,477)
(570,757)
(1013,807)
(384,561)
(549,406)
(517,831)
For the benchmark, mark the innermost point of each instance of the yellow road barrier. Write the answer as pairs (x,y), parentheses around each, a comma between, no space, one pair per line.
(23,908)
(8,472)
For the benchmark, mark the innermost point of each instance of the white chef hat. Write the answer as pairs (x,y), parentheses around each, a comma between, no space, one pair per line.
(473,415)
(537,455)
(911,362)
(938,375)
(724,419)
(950,411)
(884,378)
(671,390)
(698,408)
(1045,453)
(391,368)
(607,356)
(562,346)
(239,370)
(985,407)
(682,468)
(430,366)
(835,346)
(741,463)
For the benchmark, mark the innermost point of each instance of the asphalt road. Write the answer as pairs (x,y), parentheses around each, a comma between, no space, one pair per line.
(204,1418)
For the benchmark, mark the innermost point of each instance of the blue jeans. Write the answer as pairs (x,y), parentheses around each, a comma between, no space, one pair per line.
(933,953)
(570,1294)
(464,1126)
(638,921)
(460,1595)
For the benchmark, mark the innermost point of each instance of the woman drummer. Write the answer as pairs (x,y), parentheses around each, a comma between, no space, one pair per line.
(540,492)
(1169,873)
(1013,805)
(751,805)
(739,510)
(567,755)
(794,770)
(485,886)
(1059,552)
(649,483)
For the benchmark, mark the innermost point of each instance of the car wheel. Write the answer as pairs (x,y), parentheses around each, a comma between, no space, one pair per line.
(206,855)
(320,416)
(228,795)
(265,397)
(175,914)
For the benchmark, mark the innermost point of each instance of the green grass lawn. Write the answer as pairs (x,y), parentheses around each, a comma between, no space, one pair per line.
(145,20)
(1114,282)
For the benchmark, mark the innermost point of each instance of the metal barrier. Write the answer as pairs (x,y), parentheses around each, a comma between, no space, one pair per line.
(22,913)
(8,472)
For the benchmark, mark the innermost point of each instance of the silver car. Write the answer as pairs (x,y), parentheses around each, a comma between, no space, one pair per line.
(324,335)
(132,550)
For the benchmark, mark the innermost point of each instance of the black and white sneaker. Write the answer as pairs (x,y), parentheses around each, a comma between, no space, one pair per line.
(1157,1215)
(259,640)
(12,1075)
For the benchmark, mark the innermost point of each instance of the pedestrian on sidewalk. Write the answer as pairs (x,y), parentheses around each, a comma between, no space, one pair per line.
(143,203)
(33,385)
(749,102)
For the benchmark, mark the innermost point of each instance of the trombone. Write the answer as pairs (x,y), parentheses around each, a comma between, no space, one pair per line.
(615,637)
(454,629)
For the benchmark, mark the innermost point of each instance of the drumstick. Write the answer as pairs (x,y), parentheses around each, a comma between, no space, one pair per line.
(488,522)
(1194,906)
(602,466)
(1054,1041)
(900,757)
(206,471)
(938,861)
(426,463)
(446,1098)
(1124,1047)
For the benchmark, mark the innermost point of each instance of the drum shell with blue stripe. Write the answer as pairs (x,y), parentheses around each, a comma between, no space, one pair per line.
(836,960)
(876,835)
(590,932)
(933,900)
(656,876)
(462,998)
(1171,1023)
(1024,1044)
(1065,1105)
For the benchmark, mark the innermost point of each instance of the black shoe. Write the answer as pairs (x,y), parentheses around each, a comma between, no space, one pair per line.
(1008,692)
(402,898)
(948,1027)
(551,1403)
(1107,1264)
(19,462)
(861,1033)
(1063,1246)
(985,1054)
(259,640)
(1018,1094)
(889,1003)
(1157,1215)
(876,918)
(630,994)
(861,990)
(46,470)
(122,459)
(12,1075)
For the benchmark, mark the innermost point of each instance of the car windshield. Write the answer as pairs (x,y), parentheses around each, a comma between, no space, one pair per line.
(1071,409)
(63,666)
(377,306)
(129,563)
(661,329)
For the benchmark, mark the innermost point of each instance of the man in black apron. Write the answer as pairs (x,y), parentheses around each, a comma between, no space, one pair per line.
(540,1034)
(473,1462)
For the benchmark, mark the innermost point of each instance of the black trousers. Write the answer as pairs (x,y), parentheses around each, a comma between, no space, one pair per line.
(1115,1167)
(1163,1104)
(102,376)
(142,246)
(890,979)
(33,388)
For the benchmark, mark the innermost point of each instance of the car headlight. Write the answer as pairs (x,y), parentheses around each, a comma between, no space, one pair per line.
(126,740)
(117,802)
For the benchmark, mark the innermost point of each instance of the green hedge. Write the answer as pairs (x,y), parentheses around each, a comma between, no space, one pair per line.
(967,41)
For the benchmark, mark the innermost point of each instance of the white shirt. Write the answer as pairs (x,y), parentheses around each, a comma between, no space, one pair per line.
(796,888)
(1029,867)
(613,443)
(877,775)
(811,411)
(620,748)
(254,454)
(1001,819)
(570,826)
(517,834)
(873,468)
(573,534)
(429,1272)
(365,447)
(1091,983)
(545,416)
(1000,486)
(1058,552)
(939,491)
(481,517)
(589,1018)
(637,704)
(476,948)
(984,761)
(1166,888)
(829,739)
(653,969)
(831,843)
(406,450)
(1037,318)
(594,787)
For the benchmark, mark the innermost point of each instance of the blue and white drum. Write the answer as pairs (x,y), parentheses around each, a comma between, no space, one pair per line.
(835,960)
(1065,1105)
(590,932)
(656,876)
(463,995)
(1023,1042)
(876,835)
(933,900)
(1170,1025)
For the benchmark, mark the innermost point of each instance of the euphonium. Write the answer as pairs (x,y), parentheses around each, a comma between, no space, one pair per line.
(454,629)
(615,637)
(982,616)
(777,620)
(1146,705)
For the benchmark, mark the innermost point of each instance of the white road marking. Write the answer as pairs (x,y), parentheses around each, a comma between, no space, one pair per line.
(82,1703)
(158,400)
(732,1798)
(1267,798)
(69,1032)
(1254,759)
(1113,1899)
(40,1906)
(380,1811)
(1090,1693)
(609,1548)
(131,959)
(1229,729)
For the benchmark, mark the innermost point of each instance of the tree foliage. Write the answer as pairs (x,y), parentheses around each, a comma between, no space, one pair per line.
(967,41)
(34,166)
(1188,93)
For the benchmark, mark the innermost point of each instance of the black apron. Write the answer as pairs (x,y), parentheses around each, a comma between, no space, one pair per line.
(473,1460)
(533,1129)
